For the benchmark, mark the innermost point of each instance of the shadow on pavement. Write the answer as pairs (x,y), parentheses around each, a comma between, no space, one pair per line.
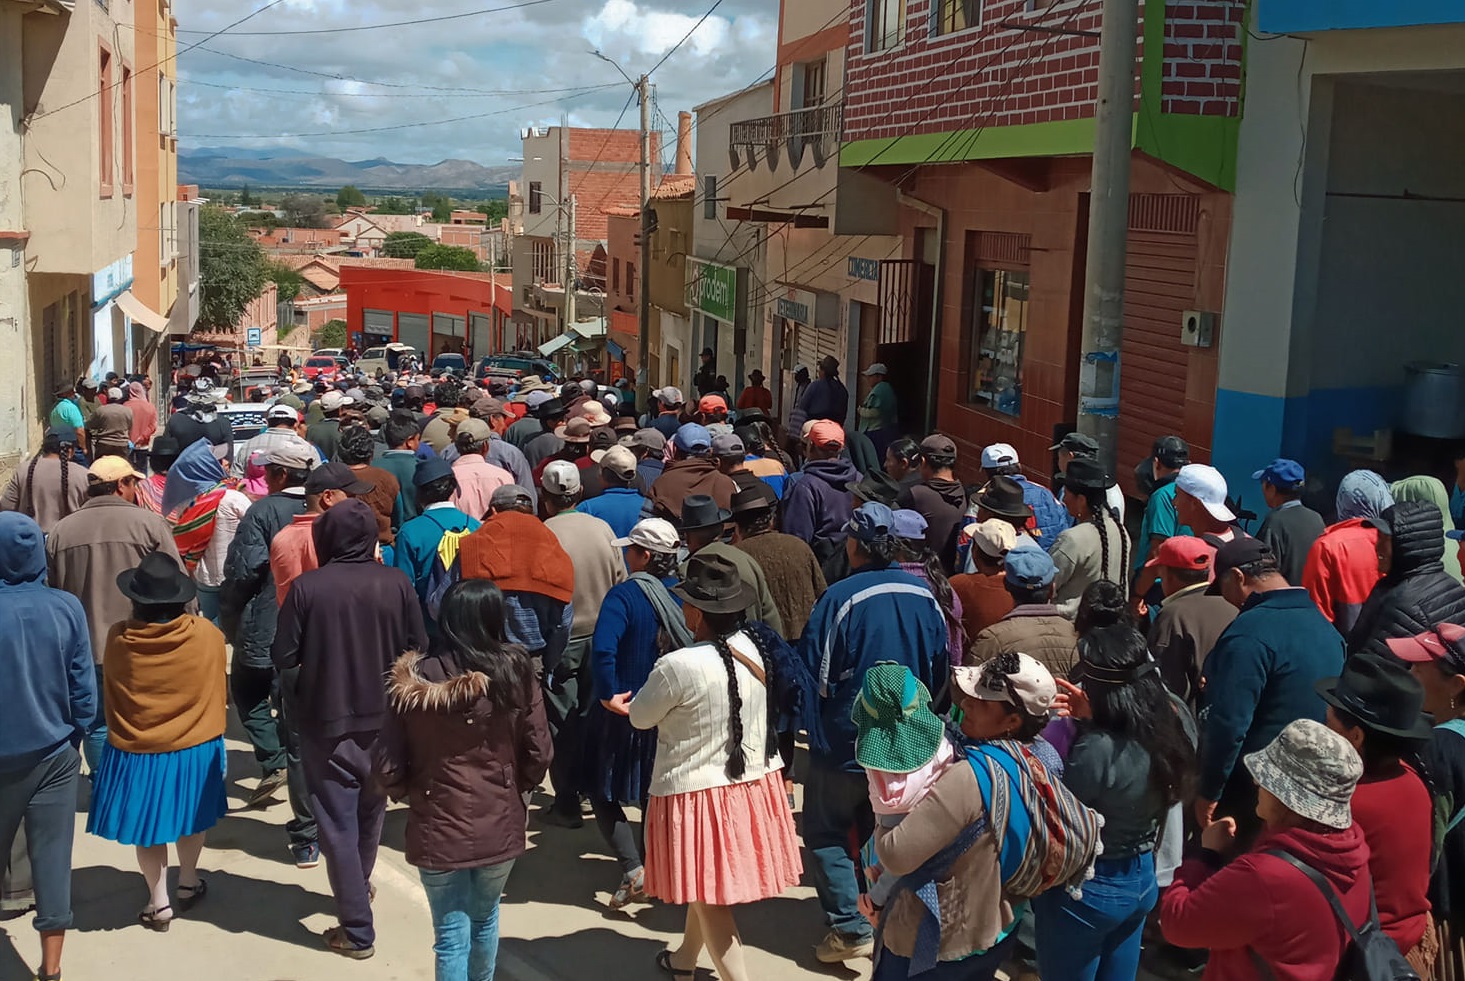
(109,899)
(12,966)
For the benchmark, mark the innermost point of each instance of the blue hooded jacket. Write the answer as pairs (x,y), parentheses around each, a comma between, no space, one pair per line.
(45,654)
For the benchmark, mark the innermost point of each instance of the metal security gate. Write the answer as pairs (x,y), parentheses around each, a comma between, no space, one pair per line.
(412,330)
(1160,283)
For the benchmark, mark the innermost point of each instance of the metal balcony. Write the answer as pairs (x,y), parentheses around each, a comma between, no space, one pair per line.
(816,130)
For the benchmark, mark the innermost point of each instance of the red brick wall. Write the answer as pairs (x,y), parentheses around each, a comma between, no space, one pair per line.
(1203,51)
(990,75)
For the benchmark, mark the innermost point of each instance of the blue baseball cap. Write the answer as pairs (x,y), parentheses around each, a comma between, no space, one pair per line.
(1030,568)
(1282,474)
(870,522)
(693,438)
(429,470)
(909,524)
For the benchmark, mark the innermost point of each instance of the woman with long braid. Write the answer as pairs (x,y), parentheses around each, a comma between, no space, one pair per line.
(50,486)
(716,789)
(913,555)
(1096,547)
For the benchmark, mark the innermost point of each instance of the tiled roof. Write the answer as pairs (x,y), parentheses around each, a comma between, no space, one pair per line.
(675,186)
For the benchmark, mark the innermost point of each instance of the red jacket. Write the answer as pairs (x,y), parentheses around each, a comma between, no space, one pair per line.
(1397,818)
(1263,903)
(1342,569)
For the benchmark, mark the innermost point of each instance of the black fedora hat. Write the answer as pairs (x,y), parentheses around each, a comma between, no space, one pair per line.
(753,499)
(551,408)
(1003,497)
(1381,694)
(157,581)
(713,585)
(877,486)
(1087,474)
(701,511)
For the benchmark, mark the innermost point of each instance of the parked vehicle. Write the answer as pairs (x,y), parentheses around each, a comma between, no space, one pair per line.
(387,357)
(513,367)
(455,363)
(321,366)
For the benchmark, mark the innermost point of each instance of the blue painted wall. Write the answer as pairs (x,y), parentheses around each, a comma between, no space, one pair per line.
(1305,16)
(1252,430)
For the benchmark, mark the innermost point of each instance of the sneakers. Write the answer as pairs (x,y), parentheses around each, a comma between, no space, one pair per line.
(306,856)
(837,947)
(338,943)
(268,786)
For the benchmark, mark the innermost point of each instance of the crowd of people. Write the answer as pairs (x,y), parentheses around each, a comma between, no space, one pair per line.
(1045,729)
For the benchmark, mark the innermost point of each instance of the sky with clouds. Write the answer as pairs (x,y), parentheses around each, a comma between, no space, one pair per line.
(253,87)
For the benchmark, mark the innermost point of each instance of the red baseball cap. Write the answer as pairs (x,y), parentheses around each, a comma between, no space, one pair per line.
(826,433)
(1183,552)
(1443,643)
(712,403)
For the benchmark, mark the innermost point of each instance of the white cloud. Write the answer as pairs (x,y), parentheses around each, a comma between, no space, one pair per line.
(547,46)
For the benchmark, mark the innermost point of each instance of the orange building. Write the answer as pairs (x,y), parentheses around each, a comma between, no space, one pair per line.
(155,134)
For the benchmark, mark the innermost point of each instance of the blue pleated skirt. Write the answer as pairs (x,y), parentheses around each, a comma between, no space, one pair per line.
(617,758)
(156,798)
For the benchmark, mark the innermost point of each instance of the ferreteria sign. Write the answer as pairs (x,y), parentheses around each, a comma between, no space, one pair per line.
(715,291)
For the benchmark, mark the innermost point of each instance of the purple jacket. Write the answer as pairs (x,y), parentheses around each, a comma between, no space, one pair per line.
(819,504)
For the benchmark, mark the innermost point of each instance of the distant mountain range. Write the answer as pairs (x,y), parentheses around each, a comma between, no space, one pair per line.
(291,167)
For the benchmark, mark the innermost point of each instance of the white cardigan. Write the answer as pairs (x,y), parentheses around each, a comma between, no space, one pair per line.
(686,700)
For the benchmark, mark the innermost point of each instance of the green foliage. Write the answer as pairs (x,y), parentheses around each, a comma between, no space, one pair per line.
(304,210)
(331,334)
(259,219)
(246,199)
(288,281)
(497,209)
(231,268)
(404,245)
(441,205)
(448,257)
(350,196)
(395,206)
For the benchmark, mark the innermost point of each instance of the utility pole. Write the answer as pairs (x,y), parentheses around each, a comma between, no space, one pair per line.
(643,376)
(1103,307)
(571,272)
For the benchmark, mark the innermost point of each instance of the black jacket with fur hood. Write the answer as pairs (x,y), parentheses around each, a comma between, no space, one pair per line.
(1417,593)
(464,767)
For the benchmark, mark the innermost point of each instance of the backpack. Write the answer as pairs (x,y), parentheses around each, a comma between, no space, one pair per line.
(445,571)
(1050,838)
(1371,955)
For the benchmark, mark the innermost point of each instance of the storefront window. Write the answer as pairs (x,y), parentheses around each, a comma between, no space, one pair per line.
(998,330)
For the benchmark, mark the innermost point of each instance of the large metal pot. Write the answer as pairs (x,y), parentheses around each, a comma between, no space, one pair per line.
(1434,399)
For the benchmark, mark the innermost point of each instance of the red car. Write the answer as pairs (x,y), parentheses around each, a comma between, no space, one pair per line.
(322,366)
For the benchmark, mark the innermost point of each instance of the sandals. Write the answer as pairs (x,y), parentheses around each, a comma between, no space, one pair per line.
(631,890)
(150,919)
(663,964)
(191,896)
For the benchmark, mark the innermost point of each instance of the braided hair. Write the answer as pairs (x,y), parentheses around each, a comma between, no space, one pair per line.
(724,626)
(51,445)
(1098,510)
(935,575)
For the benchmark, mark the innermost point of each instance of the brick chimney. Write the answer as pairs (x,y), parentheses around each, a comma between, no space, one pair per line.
(684,143)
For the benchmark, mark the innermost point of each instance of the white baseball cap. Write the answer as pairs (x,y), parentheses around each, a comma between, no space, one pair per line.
(878,368)
(279,412)
(561,477)
(654,535)
(998,455)
(331,401)
(1206,485)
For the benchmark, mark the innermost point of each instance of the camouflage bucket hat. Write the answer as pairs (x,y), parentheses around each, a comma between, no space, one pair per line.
(1311,770)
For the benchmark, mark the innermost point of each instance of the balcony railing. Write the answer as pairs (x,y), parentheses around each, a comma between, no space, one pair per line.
(816,130)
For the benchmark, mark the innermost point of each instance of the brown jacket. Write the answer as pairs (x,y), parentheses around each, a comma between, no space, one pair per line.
(1188,626)
(683,478)
(87,550)
(794,578)
(463,766)
(984,600)
(974,910)
(1039,631)
(165,685)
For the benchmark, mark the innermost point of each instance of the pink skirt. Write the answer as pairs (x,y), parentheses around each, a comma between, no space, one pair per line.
(723,846)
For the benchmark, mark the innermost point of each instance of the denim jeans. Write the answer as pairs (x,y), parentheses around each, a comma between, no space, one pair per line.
(208,603)
(96,736)
(465,920)
(42,799)
(1097,937)
(835,804)
(978,967)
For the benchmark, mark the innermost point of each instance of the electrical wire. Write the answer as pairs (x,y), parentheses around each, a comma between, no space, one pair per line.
(686,37)
(465,94)
(377,27)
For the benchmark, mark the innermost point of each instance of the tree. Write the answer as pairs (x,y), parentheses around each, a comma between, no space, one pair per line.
(304,210)
(448,257)
(259,219)
(287,281)
(496,209)
(441,205)
(331,334)
(231,268)
(404,245)
(394,206)
(350,196)
(246,200)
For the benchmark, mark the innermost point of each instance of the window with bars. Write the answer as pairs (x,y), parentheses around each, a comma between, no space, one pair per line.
(885,24)
(544,264)
(127,154)
(107,145)
(709,197)
(996,336)
(536,197)
(957,15)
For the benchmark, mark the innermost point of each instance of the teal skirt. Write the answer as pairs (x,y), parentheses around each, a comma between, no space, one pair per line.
(150,799)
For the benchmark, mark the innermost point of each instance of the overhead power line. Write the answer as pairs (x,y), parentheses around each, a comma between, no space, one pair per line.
(377,27)
(467,94)
(686,37)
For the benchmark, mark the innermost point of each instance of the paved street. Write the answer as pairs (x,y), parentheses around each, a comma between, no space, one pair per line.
(262,917)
